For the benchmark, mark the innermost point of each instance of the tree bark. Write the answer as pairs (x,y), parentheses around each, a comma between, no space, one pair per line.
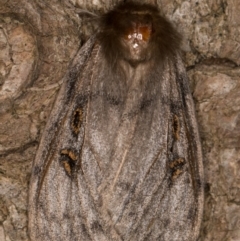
(38,40)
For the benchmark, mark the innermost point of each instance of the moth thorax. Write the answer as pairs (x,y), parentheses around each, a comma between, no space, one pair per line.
(136,40)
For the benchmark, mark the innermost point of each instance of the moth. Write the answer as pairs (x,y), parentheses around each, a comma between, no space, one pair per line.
(120,157)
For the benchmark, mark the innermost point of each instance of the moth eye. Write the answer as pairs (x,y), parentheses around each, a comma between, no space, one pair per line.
(176,167)
(176,127)
(139,36)
(68,160)
(139,31)
(77,120)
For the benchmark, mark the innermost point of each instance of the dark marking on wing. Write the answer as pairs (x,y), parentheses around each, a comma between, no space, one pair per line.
(68,160)
(96,226)
(145,103)
(77,120)
(69,153)
(36,170)
(176,127)
(176,167)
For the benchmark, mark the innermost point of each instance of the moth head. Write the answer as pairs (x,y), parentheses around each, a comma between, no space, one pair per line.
(136,37)
(136,33)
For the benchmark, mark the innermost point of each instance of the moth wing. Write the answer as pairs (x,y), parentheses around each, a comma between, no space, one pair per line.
(182,196)
(194,151)
(57,204)
(152,189)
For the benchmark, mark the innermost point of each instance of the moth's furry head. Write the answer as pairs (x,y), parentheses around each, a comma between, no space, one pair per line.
(164,39)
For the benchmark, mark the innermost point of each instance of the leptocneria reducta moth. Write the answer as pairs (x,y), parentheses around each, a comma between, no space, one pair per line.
(120,157)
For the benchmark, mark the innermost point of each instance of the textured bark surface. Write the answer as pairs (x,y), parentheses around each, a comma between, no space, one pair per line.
(37,41)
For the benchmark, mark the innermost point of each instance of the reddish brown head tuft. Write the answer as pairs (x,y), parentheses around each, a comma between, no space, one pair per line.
(137,33)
